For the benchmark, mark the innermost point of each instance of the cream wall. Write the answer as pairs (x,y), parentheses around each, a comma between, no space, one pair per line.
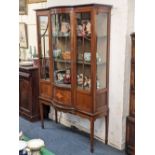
(122,24)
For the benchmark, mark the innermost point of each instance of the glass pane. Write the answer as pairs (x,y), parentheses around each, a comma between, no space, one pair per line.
(101,55)
(44,57)
(61,45)
(83,50)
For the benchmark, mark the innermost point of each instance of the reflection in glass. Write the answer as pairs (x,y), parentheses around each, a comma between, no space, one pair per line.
(44,57)
(101,55)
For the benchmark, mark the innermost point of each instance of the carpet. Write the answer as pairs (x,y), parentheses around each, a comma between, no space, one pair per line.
(43,150)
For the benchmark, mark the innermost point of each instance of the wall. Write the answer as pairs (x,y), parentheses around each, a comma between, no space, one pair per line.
(122,24)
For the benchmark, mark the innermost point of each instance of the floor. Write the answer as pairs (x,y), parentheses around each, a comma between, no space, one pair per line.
(62,140)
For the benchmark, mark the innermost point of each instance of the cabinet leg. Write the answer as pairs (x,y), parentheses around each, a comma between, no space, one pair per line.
(92,135)
(106,128)
(42,115)
(56,116)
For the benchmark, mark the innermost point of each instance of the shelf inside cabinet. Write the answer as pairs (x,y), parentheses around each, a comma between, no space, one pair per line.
(62,61)
(59,36)
(61,85)
(101,63)
(85,37)
(45,58)
(85,62)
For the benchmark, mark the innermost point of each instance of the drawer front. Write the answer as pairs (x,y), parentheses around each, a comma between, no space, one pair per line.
(62,95)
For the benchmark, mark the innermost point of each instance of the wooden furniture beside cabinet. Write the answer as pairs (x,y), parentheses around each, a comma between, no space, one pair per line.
(74,44)
(130,129)
(28,93)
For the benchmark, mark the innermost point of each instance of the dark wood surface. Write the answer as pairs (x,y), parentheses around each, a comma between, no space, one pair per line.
(88,104)
(28,93)
(130,124)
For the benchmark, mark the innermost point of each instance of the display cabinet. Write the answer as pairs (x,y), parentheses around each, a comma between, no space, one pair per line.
(73,45)
(130,125)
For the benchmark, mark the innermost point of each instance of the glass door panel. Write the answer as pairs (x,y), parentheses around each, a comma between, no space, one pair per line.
(44,54)
(83,62)
(61,45)
(101,54)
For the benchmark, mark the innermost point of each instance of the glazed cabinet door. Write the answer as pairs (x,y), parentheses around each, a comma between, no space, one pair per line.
(62,52)
(101,50)
(44,48)
(101,31)
(44,55)
(83,48)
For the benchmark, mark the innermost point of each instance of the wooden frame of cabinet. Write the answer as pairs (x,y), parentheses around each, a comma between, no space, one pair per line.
(130,121)
(89,98)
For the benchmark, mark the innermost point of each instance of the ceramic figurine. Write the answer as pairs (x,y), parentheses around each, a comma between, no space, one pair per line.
(83,29)
(67,77)
(65,27)
(80,79)
(88,28)
(79,30)
(60,76)
(87,82)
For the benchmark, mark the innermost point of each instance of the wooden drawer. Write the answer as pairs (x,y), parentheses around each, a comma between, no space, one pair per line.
(63,96)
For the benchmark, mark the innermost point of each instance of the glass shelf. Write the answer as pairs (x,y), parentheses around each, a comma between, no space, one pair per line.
(85,62)
(62,61)
(63,35)
(62,85)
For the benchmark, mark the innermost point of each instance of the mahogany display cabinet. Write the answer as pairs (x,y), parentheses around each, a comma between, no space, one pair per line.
(28,93)
(130,125)
(73,45)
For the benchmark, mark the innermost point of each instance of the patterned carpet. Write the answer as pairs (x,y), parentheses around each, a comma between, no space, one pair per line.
(62,140)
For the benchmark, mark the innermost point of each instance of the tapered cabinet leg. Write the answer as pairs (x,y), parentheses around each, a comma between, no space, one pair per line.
(92,135)
(56,116)
(42,115)
(106,128)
